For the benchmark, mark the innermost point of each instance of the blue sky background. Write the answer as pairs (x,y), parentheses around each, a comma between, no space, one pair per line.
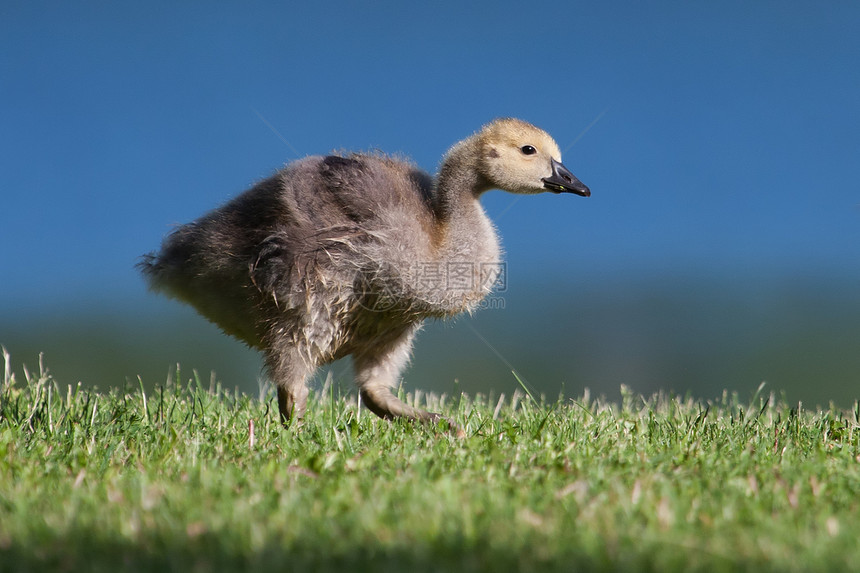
(720,140)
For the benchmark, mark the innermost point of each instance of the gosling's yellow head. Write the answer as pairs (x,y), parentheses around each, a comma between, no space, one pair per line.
(518,157)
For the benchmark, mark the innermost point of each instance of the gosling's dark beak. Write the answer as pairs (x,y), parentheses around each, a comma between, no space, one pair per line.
(563,181)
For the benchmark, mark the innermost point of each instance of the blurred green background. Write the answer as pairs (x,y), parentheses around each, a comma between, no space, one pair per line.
(688,334)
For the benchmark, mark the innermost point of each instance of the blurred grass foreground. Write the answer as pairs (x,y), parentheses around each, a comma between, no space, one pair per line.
(186,478)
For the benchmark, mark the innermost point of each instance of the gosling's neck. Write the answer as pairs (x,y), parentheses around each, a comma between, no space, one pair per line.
(459,183)
(463,232)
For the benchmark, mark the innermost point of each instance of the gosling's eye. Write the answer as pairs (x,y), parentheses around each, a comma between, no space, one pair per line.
(528,150)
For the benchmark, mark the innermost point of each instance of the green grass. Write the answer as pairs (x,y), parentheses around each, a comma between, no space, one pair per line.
(172,480)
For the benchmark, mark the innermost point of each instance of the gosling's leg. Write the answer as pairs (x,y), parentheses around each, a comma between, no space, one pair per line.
(292,404)
(378,372)
(289,373)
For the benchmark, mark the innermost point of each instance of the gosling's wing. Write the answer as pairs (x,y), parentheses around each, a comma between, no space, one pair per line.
(366,187)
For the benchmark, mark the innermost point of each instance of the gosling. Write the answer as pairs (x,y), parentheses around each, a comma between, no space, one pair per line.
(346,255)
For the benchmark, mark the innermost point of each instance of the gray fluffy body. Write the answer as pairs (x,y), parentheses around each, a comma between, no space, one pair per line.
(347,255)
